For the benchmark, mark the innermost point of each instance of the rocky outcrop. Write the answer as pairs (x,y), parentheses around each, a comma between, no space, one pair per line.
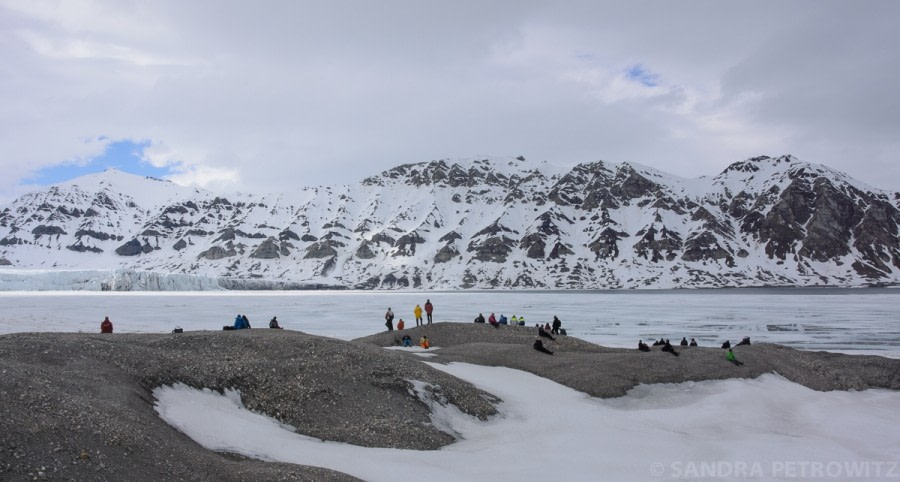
(323,249)
(268,249)
(131,248)
(43,230)
(81,248)
(217,252)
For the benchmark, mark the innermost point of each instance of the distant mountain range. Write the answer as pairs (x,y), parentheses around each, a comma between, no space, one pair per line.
(482,223)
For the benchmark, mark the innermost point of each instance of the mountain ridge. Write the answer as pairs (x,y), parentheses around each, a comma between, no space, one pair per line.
(478,223)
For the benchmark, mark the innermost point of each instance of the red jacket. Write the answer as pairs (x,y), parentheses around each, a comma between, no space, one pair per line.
(106,326)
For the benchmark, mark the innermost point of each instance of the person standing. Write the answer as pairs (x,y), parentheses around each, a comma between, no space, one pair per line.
(556,325)
(418,312)
(389,319)
(428,309)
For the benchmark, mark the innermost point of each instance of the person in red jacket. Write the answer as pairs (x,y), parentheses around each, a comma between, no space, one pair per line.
(428,309)
(106,326)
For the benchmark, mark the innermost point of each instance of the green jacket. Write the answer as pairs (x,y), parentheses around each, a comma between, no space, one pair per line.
(730,356)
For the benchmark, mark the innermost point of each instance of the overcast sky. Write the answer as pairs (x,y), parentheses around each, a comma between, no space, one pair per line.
(265,95)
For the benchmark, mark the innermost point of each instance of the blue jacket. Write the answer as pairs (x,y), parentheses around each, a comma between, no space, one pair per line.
(239,323)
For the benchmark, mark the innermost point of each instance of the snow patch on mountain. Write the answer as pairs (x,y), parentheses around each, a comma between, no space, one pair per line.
(475,223)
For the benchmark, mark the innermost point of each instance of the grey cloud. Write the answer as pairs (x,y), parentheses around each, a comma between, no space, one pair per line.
(290,93)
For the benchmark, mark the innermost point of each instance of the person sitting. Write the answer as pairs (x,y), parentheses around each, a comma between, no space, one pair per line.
(106,325)
(273,323)
(693,342)
(407,341)
(239,323)
(726,345)
(730,357)
(745,341)
(542,332)
(547,327)
(400,324)
(424,343)
(643,346)
(539,346)
(521,321)
(669,348)
(246,321)
(514,320)
(659,342)
(503,320)
(556,325)
(684,341)
(479,318)
(493,321)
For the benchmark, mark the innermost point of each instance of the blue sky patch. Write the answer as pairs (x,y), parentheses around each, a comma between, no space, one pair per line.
(124,155)
(640,74)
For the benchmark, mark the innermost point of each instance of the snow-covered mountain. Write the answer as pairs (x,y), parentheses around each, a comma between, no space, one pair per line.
(483,223)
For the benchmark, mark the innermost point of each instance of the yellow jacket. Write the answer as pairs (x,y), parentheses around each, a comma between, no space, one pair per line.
(418,311)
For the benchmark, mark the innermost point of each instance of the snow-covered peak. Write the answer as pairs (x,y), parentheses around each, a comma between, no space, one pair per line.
(147,192)
(467,172)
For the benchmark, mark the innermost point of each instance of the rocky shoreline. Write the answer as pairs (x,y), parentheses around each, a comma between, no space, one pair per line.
(80,406)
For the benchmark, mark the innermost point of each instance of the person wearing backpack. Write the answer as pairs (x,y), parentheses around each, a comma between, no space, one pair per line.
(389,319)
(106,326)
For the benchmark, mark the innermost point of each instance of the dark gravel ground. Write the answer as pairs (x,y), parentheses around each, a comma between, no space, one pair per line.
(610,372)
(80,406)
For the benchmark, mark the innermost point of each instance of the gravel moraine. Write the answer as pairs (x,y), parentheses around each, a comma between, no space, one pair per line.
(80,406)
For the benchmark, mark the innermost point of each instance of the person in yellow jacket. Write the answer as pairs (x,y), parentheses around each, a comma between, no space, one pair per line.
(418,312)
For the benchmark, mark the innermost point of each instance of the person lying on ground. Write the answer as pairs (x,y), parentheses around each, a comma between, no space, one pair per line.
(669,348)
(730,357)
(539,346)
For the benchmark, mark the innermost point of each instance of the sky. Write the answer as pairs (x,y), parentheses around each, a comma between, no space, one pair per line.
(274,95)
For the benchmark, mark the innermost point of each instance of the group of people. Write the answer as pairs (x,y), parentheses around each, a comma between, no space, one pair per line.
(547,331)
(667,347)
(417,312)
(424,342)
(496,322)
(241,322)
